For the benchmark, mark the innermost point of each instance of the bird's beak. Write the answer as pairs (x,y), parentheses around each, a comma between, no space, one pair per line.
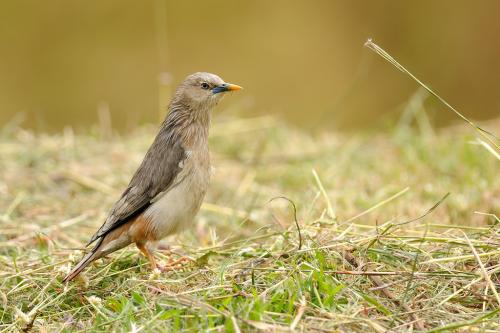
(226,87)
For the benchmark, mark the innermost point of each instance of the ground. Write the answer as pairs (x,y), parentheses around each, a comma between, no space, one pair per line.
(395,230)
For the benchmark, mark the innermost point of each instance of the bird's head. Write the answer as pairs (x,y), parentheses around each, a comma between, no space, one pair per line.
(203,90)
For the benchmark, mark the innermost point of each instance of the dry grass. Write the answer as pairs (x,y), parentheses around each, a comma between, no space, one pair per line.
(375,253)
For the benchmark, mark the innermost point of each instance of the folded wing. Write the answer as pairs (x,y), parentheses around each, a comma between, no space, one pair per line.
(156,174)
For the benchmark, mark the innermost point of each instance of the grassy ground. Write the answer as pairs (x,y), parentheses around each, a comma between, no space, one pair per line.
(377,249)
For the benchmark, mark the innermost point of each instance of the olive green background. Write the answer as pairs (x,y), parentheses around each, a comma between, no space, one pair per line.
(63,60)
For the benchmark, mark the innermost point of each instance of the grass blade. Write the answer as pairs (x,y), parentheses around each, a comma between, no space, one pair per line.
(381,52)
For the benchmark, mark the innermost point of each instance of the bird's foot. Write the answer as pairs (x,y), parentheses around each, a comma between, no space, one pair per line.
(173,265)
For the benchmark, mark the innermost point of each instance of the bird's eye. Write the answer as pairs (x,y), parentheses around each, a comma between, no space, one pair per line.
(205,85)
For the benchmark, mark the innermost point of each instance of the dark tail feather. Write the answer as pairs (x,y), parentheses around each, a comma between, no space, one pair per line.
(86,260)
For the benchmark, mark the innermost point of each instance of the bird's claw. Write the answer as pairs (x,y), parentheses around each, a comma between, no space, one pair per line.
(173,265)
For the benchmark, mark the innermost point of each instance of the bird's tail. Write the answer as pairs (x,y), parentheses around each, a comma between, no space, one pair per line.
(94,254)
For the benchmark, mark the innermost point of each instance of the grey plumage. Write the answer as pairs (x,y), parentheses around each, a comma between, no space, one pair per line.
(167,189)
(155,174)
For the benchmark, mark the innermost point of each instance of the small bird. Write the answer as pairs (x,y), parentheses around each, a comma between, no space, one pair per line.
(167,190)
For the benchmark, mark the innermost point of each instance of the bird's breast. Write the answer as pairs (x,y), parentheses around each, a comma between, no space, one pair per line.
(175,209)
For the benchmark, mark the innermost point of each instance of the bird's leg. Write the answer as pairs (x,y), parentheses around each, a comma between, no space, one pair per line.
(142,247)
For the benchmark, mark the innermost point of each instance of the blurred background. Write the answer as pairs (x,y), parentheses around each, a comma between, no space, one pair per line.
(73,62)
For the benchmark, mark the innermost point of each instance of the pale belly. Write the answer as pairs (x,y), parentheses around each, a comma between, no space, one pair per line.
(175,210)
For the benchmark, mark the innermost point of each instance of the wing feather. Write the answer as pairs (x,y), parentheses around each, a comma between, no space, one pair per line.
(156,174)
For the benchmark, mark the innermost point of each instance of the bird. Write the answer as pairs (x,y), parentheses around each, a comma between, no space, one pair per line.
(167,190)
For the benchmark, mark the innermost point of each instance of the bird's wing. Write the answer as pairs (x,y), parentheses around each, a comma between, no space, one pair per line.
(157,173)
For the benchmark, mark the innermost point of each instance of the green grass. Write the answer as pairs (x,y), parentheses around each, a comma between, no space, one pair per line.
(373,254)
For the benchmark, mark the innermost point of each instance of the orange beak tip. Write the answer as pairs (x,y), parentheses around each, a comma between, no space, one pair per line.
(234,87)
